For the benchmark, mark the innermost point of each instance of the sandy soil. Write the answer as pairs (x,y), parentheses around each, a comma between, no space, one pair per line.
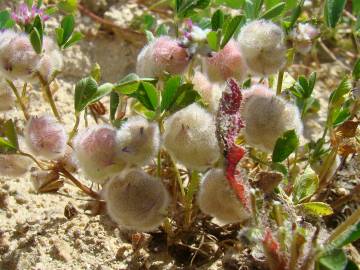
(58,231)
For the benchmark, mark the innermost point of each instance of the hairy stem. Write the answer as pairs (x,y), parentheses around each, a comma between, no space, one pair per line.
(77,183)
(75,128)
(191,190)
(49,96)
(38,163)
(178,177)
(23,93)
(18,98)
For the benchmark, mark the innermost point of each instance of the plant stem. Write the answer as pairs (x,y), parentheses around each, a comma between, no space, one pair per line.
(330,159)
(85,189)
(279,82)
(23,93)
(296,247)
(49,96)
(332,55)
(75,128)
(85,117)
(41,166)
(192,188)
(178,178)
(349,222)
(18,98)
(158,168)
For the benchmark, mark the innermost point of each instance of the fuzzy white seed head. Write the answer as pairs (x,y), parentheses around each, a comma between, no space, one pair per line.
(161,55)
(209,92)
(190,137)
(6,37)
(262,44)
(51,61)
(267,117)
(217,199)
(14,165)
(96,153)
(227,63)
(136,200)
(138,140)
(46,137)
(7,100)
(18,60)
(302,37)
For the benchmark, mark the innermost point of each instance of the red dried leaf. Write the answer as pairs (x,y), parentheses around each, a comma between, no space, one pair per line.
(229,124)
(276,259)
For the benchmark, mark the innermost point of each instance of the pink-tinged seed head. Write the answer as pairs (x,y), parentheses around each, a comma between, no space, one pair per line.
(162,55)
(6,37)
(136,200)
(227,63)
(217,199)
(267,117)
(14,165)
(18,60)
(46,137)
(262,44)
(303,36)
(96,153)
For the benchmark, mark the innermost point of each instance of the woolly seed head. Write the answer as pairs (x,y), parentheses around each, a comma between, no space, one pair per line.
(51,61)
(96,154)
(136,200)
(267,117)
(138,140)
(227,63)
(163,54)
(218,200)
(302,37)
(262,44)
(209,92)
(18,60)
(46,137)
(6,37)
(190,137)
(14,165)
